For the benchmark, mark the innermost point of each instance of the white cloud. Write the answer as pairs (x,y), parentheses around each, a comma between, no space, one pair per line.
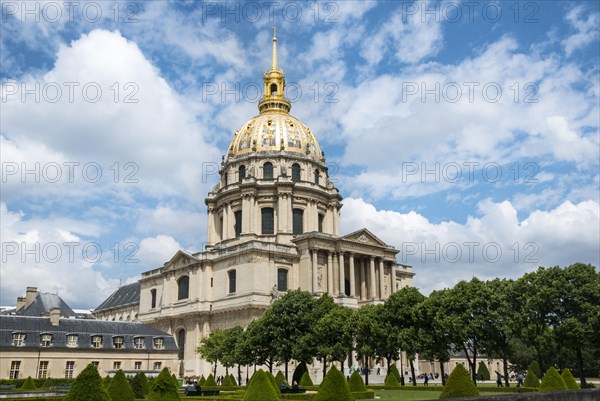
(154,252)
(586,26)
(567,234)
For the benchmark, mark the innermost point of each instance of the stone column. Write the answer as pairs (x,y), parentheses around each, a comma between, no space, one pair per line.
(392,278)
(211,226)
(329,273)
(363,279)
(381,279)
(224,229)
(373,293)
(342,274)
(336,221)
(251,212)
(282,216)
(315,272)
(351,272)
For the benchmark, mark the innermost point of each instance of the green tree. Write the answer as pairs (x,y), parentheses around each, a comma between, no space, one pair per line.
(356,383)
(483,371)
(552,381)
(106,381)
(88,387)
(145,383)
(298,372)
(163,389)
(137,386)
(261,389)
(28,384)
(569,380)
(212,347)
(459,384)
(334,387)
(434,337)
(334,335)
(402,313)
(368,332)
(119,389)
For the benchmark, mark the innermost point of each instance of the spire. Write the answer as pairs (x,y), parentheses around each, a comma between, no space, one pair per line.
(274,56)
(274,99)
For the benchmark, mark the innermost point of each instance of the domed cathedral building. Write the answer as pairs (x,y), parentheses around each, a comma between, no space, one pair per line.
(273,225)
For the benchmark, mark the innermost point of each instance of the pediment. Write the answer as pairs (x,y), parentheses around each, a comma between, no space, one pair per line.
(180,259)
(364,236)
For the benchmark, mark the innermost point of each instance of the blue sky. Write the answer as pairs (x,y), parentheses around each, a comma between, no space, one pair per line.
(463,133)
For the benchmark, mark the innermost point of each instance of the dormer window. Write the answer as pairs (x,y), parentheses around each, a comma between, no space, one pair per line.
(72,340)
(18,339)
(46,340)
(118,342)
(96,341)
(139,343)
(159,343)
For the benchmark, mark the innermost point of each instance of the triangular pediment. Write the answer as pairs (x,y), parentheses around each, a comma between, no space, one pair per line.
(180,259)
(364,236)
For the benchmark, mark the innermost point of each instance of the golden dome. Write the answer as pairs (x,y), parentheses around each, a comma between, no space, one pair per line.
(273,131)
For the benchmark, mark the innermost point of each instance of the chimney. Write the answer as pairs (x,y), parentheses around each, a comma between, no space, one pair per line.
(30,296)
(20,303)
(54,316)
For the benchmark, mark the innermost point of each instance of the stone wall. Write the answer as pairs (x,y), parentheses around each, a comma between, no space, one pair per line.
(579,395)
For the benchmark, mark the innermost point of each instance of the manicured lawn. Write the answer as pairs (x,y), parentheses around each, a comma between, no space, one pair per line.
(407,395)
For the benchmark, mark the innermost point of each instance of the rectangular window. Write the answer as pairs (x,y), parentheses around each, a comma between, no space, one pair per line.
(153,296)
(321,218)
(69,367)
(232,283)
(268,220)
(46,340)
(18,339)
(72,340)
(139,343)
(157,365)
(118,342)
(137,365)
(116,365)
(298,215)
(14,369)
(96,341)
(159,343)
(238,223)
(282,280)
(96,364)
(42,370)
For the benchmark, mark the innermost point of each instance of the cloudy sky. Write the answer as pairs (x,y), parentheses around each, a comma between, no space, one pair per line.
(466,134)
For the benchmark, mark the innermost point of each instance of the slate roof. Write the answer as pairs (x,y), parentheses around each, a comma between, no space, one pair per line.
(34,327)
(44,302)
(126,295)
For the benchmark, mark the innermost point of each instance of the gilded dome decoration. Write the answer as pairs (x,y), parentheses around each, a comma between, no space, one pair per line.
(274,129)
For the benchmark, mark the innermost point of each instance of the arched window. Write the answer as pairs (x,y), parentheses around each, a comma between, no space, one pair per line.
(153,296)
(242,173)
(183,287)
(282,280)
(238,223)
(317,176)
(181,344)
(232,281)
(268,171)
(268,220)
(221,231)
(298,215)
(295,172)
(225,179)
(273,89)
(321,218)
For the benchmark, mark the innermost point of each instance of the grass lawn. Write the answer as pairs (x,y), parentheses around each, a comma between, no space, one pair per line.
(407,395)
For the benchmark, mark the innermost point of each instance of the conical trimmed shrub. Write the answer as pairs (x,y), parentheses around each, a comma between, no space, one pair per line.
(483,371)
(137,387)
(552,381)
(279,378)
(106,381)
(48,383)
(459,384)
(272,381)
(305,380)
(28,384)
(226,381)
(88,386)
(535,367)
(356,382)
(334,387)
(299,372)
(119,389)
(233,380)
(163,388)
(394,370)
(531,380)
(145,383)
(210,381)
(569,379)
(390,380)
(202,381)
(260,388)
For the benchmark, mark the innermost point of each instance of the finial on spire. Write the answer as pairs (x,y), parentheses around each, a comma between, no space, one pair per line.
(274,56)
